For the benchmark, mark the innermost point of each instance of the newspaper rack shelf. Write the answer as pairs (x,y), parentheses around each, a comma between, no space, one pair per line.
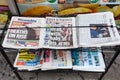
(2,51)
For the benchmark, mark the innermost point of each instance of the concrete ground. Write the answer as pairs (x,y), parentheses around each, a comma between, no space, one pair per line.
(7,74)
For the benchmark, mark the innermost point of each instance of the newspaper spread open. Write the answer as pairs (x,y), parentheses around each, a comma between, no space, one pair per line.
(85,30)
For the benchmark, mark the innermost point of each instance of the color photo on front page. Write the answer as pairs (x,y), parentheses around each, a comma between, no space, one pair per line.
(61,36)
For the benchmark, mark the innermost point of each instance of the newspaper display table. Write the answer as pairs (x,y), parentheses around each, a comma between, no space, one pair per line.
(4,54)
(2,50)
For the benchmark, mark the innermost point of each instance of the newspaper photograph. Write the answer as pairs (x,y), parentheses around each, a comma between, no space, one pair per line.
(99,32)
(47,60)
(59,33)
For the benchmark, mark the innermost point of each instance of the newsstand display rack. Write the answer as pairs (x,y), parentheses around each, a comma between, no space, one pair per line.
(4,54)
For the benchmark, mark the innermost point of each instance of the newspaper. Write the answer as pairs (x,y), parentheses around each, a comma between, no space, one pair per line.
(63,35)
(84,59)
(57,59)
(62,59)
(47,60)
(102,30)
(62,32)
(29,59)
(88,59)
(22,32)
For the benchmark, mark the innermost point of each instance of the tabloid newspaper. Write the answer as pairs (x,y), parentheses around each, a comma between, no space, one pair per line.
(29,59)
(57,59)
(88,59)
(22,32)
(84,30)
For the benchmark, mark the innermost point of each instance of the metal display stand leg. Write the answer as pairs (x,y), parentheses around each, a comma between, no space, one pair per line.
(117,49)
(10,64)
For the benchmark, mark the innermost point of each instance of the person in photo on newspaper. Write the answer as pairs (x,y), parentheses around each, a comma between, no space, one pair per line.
(99,32)
(33,33)
(66,34)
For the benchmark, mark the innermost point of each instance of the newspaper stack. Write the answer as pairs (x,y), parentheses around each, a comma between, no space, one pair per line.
(88,59)
(85,59)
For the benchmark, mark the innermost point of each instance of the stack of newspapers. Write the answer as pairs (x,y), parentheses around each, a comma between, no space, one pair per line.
(83,59)
(44,42)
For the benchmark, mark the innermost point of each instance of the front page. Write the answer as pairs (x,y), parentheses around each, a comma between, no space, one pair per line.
(59,33)
(30,59)
(57,59)
(98,30)
(88,59)
(24,32)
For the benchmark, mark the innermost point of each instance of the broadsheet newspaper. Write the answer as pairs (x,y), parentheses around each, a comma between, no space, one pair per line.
(102,30)
(88,59)
(89,30)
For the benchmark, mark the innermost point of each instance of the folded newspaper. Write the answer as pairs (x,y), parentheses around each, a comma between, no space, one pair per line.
(32,59)
(84,30)
(29,59)
(57,59)
(88,59)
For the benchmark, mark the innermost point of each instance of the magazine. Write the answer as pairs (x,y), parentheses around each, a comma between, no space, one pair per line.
(29,59)
(62,32)
(88,59)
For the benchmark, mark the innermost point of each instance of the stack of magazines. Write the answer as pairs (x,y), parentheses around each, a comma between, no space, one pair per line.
(82,59)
